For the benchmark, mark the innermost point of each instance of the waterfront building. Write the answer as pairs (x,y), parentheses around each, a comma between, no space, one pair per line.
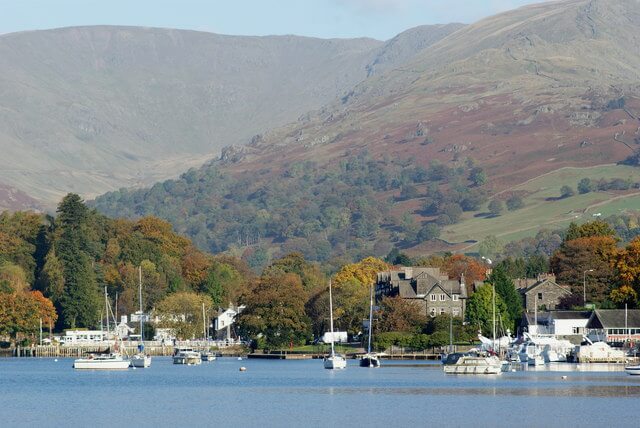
(567,324)
(429,289)
(614,326)
(75,337)
(224,321)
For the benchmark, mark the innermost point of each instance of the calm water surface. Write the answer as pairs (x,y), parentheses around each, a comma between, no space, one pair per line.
(42,392)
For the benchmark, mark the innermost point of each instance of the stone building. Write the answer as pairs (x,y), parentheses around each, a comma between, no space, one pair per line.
(543,292)
(433,292)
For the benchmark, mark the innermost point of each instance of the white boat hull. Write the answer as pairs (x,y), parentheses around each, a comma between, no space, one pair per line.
(92,364)
(141,361)
(335,362)
(633,370)
(190,360)
(475,365)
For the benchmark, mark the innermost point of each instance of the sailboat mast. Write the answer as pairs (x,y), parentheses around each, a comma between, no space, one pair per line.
(370,319)
(204,323)
(140,299)
(494,316)
(106,305)
(331,318)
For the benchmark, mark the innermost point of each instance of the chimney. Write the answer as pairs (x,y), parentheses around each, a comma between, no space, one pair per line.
(408,273)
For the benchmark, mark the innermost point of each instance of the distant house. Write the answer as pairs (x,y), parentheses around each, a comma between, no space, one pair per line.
(224,321)
(615,326)
(561,323)
(433,292)
(123,329)
(543,293)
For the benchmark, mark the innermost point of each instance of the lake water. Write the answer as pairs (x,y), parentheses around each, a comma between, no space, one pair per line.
(42,392)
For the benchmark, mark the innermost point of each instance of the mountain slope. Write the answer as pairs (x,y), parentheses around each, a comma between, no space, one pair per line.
(92,109)
(511,97)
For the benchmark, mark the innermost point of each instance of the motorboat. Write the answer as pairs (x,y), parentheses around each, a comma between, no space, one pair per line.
(599,352)
(369,360)
(474,364)
(207,356)
(536,360)
(111,361)
(187,356)
(632,370)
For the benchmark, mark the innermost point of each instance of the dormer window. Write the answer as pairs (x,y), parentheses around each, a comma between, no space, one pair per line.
(442,297)
(455,297)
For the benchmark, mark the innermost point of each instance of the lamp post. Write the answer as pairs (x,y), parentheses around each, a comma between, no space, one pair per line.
(584,286)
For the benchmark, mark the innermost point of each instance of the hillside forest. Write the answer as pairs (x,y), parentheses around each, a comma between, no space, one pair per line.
(56,269)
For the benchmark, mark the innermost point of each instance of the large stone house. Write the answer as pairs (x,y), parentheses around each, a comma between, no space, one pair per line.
(543,293)
(433,292)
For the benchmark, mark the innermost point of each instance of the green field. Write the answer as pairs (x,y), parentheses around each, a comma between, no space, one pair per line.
(539,212)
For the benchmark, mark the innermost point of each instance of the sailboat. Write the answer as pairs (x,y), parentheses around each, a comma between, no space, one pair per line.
(370,359)
(110,361)
(141,360)
(333,361)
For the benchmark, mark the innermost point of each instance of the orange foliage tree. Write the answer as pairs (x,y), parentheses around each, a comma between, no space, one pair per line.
(576,256)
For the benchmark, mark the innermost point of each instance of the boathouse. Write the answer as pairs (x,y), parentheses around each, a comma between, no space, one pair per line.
(614,326)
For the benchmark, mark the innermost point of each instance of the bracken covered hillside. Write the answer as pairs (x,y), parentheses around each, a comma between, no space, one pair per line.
(482,110)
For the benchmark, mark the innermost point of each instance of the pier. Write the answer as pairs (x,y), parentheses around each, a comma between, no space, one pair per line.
(128,348)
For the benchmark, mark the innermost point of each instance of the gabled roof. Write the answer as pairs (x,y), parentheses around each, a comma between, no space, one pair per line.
(545,281)
(614,318)
(571,315)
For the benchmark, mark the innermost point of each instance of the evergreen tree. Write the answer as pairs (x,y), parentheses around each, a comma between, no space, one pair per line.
(80,302)
(506,289)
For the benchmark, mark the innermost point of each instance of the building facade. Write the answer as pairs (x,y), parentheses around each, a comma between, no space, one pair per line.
(427,288)
(543,295)
(614,326)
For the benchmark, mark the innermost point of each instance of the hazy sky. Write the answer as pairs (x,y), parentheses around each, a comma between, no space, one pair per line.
(381,19)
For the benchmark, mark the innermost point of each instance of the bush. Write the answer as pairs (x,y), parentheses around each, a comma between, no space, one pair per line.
(515,203)
(566,192)
(585,186)
(495,207)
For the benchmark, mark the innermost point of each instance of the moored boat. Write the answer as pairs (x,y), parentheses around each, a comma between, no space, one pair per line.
(632,370)
(370,359)
(207,356)
(187,356)
(112,361)
(140,361)
(334,361)
(469,364)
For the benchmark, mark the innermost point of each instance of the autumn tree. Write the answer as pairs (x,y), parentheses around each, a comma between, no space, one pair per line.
(351,292)
(578,255)
(458,265)
(624,295)
(398,314)
(275,310)
(182,312)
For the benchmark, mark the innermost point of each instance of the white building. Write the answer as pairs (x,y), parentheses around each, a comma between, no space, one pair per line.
(75,337)
(225,319)
(561,323)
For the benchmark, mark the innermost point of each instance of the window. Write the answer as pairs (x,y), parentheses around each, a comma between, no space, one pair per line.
(433,297)
(442,311)
(432,312)
(443,297)
(539,296)
(456,312)
(455,297)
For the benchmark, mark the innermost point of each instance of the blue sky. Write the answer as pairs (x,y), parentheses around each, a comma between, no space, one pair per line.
(380,19)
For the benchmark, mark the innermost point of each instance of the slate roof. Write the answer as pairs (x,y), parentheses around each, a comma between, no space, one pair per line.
(614,318)
(539,283)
